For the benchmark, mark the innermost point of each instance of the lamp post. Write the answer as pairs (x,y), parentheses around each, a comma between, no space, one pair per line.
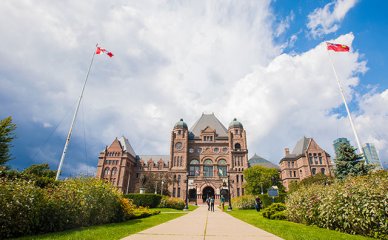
(187,196)
(161,188)
(261,184)
(196,196)
(230,198)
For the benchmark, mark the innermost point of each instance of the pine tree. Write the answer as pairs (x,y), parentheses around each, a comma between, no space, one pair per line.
(7,134)
(349,163)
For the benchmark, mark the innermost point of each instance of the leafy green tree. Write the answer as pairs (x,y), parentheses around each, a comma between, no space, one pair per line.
(7,134)
(349,163)
(153,179)
(40,170)
(258,177)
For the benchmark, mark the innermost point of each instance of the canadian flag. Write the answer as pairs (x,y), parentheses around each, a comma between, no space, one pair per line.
(100,50)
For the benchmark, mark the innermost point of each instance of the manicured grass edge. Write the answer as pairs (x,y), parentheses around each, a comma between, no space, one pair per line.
(108,231)
(290,230)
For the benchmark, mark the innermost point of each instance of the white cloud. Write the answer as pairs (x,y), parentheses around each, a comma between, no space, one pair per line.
(327,19)
(172,60)
(284,24)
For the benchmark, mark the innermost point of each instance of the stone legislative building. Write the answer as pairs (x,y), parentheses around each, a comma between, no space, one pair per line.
(306,159)
(208,160)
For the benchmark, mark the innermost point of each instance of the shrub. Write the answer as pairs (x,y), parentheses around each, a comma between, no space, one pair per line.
(131,211)
(28,209)
(145,200)
(169,202)
(357,205)
(267,200)
(21,204)
(244,202)
(282,215)
(274,208)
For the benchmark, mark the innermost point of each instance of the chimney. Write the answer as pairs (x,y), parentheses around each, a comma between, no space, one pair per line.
(286,151)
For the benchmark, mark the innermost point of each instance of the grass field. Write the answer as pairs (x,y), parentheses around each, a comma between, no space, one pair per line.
(290,230)
(114,230)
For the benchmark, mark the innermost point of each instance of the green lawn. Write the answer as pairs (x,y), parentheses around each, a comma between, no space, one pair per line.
(114,230)
(290,230)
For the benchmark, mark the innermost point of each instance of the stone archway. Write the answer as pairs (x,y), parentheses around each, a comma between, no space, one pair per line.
(207,191)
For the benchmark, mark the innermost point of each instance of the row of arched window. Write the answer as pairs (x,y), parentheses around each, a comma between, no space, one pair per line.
(238,161)
(113,154)
(108,171)
(208,168)
(177,161)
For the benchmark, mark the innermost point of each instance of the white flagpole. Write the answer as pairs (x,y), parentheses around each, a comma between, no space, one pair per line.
(346,105)
(74,117)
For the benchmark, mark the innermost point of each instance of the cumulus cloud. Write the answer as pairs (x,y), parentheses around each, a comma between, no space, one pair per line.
(327,19)
(172,60)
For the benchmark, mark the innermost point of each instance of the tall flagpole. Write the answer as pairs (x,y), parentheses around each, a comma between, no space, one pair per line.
(74,117)
(346,105)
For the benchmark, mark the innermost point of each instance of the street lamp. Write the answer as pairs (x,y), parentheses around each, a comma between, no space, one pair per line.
(187,196)
(261,184)
(161,189)
(230,199)
(196,196)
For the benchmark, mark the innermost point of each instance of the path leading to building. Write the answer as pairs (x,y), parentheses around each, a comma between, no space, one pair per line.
(204,225)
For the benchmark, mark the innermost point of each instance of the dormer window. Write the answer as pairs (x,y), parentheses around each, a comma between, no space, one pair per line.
(208,138)
(179,132)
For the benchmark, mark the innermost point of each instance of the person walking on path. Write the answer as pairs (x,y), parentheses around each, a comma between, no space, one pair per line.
(208,203)
(258,204)
(212,203)
(222,203)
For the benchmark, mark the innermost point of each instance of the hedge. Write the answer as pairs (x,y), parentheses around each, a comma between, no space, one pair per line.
(27,209)
(169,202)
(145,200)
(248,201)
(357,205)
(275,211)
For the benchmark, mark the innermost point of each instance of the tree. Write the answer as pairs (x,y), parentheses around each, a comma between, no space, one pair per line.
(349,163)
(258,177)
(153,181)
(40,170)
(7,134)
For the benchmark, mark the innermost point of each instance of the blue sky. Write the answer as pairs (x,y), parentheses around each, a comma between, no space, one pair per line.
(263,62)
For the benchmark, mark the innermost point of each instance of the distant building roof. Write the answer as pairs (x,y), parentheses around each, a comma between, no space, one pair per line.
(256,160)
(209,120)
(301,146)
(126,146)
(181,124)
(155,158)
(235,124)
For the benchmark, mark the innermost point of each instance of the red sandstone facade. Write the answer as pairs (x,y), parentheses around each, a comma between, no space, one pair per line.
(208,160)
(306,159)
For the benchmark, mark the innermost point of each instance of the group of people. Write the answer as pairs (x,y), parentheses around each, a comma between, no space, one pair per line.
(210,203)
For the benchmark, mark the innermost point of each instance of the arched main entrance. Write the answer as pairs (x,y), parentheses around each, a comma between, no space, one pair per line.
(207,192)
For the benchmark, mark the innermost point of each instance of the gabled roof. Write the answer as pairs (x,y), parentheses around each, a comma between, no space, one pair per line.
(209,120)
(155,158)
(127,146)
(257,160)
(301,146)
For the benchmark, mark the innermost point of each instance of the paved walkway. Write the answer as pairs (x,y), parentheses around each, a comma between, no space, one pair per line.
(204,225)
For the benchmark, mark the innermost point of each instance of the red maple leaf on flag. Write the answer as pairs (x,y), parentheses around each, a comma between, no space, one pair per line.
(100,50)
(337,47)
